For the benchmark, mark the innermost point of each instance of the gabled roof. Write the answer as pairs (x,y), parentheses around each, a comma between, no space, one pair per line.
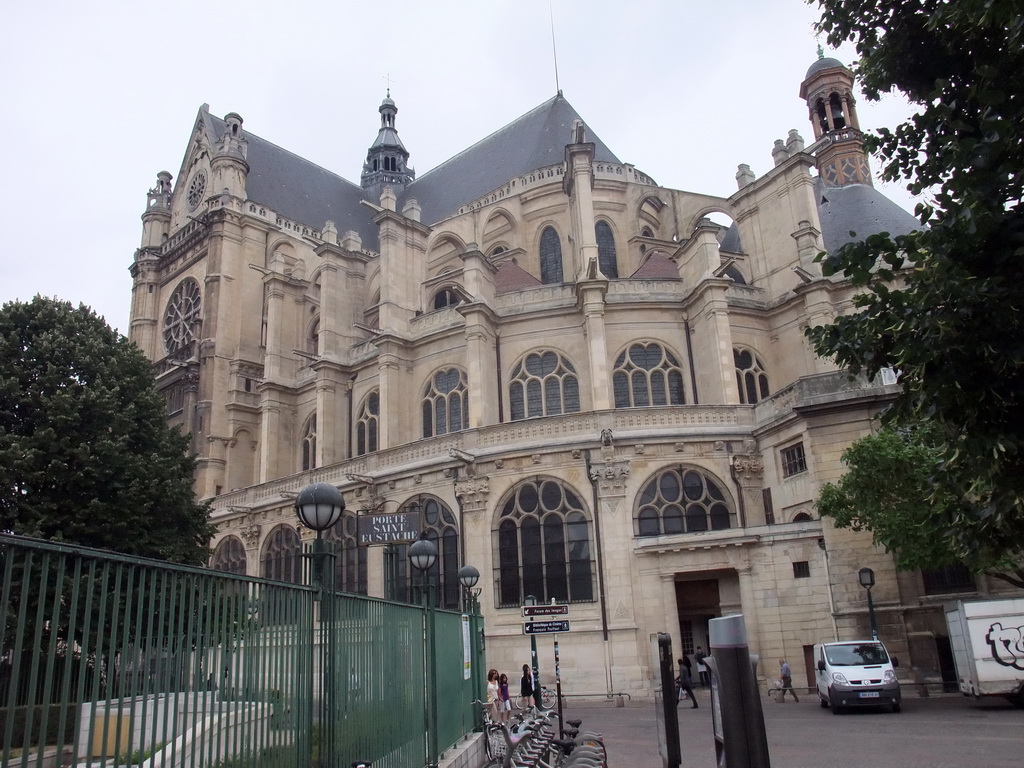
(511,277)
(860,209)
(657,266)
(303,191)
(535,140)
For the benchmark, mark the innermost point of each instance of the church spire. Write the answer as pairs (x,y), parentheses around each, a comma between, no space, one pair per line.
(387,160)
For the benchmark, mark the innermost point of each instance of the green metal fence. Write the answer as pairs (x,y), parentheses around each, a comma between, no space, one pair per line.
(108,660)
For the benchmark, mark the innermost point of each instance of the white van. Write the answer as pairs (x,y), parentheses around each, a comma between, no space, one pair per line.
(856,674)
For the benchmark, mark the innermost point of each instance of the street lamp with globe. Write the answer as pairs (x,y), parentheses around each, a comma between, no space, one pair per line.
(422,556)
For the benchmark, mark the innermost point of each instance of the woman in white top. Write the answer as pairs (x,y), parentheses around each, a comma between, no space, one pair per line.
(493,695)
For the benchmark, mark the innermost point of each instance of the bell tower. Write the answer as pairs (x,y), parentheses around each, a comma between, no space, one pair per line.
(387,161)
(828,91)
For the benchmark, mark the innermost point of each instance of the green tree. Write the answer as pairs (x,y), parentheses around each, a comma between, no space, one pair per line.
(86,455)
(889,490)
(944,306)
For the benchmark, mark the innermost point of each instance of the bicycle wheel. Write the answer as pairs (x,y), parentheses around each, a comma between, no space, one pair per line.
(495,746)
(547,698)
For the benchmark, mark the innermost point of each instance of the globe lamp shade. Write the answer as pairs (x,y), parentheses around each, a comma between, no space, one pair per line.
(319,506)
(423,554)
(468,576)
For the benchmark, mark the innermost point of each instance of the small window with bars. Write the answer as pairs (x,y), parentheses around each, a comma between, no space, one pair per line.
(793,460)
(801,569)
(947,579)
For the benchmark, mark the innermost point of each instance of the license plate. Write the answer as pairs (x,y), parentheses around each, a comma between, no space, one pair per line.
(868,694)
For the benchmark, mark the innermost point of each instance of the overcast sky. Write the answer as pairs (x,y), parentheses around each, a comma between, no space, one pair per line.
(98,97)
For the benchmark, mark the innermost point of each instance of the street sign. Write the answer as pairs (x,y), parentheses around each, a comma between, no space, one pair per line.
(399,528)
(544,627)
(545,610)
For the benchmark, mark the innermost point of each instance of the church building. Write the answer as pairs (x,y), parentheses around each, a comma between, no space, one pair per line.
(582,383)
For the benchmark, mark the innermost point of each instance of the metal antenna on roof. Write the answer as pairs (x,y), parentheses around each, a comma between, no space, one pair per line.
(554,52)
(387,78)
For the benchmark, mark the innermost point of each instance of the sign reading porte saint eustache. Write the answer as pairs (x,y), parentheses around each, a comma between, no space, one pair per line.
(545,627)
(399,528)
(545,610)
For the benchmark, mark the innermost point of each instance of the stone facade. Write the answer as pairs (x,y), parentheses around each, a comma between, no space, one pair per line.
(590,390)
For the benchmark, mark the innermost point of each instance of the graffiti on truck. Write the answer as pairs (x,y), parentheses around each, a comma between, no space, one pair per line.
(1007,644)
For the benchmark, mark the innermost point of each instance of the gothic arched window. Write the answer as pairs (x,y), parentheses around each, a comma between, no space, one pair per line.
(543,384)
(680,500)
(403,581)
(366,424)
(606,249)
(445,407)
(349,557)
(550,256)
(309,444)
(544,545)
(751,378)
(282,555)
(647,374)
(229,556)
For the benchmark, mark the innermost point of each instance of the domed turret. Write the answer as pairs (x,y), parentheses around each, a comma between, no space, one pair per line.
(828,91)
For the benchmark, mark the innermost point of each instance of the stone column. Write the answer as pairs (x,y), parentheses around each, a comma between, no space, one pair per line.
(748,472)
(592,293)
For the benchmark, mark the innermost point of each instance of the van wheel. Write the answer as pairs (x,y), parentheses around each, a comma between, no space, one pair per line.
(824,704)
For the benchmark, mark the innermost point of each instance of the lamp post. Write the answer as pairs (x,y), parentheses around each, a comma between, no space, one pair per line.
(534,664)
(319,506)
(468,578)
(422,556)
(867,580)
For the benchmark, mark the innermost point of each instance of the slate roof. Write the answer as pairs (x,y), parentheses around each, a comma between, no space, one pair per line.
(731,241)
(303,191)
(535,140)
(823,63)
(860,209)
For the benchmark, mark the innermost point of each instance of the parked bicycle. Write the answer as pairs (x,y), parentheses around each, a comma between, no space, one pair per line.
(532,742)
(547,699)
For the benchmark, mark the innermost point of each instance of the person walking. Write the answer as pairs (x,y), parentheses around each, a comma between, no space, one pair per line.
(786,678)
(526,686)
(684,681)
(703,673)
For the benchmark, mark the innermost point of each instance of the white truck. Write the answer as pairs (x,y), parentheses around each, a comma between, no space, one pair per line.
(987,639)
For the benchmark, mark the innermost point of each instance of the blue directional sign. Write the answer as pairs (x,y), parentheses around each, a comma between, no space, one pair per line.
(545,627)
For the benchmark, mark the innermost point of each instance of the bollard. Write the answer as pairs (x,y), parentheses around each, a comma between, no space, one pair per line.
(740,737)
(665,701)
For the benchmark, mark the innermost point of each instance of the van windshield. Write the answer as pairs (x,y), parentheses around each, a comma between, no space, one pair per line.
(856,655)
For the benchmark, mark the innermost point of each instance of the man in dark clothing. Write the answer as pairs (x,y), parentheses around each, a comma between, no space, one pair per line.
(683,682)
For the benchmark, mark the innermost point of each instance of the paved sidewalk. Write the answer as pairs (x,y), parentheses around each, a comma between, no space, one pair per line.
(939,732)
